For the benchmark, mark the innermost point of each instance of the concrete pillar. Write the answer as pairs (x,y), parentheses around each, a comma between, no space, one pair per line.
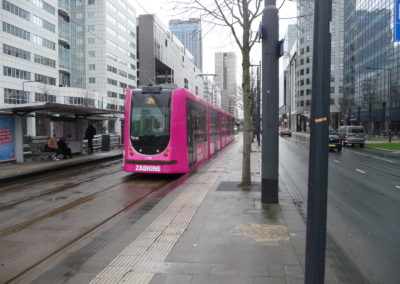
(80,132)
(19,139)
(31,126)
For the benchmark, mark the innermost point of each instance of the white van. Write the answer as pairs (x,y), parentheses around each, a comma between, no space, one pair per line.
(352,135)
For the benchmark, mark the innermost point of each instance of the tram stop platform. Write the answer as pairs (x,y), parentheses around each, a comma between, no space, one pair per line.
(209,230)
(14,171)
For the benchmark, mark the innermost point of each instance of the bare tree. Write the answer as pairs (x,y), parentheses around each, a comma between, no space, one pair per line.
(238,16)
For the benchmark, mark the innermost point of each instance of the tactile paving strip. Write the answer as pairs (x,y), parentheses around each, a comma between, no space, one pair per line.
(140,260)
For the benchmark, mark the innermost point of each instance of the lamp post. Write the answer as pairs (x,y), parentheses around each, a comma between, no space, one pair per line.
(389,99)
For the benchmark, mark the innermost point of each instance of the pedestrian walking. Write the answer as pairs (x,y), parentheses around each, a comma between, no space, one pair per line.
(89,135)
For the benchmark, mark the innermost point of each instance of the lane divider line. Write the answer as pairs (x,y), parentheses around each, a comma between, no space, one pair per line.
(336,161)
(358,170)
(398,186)
(371,156)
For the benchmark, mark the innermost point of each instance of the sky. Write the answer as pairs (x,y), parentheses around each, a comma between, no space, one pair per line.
(215,39)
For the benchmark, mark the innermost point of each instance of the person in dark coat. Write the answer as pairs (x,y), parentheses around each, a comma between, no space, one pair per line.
(89,135)
(63,148)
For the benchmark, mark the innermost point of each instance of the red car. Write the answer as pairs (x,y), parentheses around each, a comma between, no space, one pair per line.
(285,131)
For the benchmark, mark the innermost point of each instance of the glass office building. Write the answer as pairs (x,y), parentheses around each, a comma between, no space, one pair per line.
(371,67)
(189,33)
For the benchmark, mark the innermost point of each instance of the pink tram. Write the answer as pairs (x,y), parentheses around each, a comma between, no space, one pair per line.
(171,131)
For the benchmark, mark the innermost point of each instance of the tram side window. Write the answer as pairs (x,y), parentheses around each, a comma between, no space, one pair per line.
(224,125)
(214,124)
(197,119)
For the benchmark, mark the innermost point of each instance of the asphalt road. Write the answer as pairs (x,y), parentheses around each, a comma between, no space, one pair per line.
(363,205)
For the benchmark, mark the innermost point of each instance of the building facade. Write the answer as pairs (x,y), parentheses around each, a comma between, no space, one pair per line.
(163,59)
(225,70)
(304,63)
(72,52)
(189,33)
(372,58)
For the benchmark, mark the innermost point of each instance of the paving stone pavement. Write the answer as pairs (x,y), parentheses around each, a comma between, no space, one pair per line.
(233,238)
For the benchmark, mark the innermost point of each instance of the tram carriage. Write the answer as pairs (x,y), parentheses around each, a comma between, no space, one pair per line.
(169,131)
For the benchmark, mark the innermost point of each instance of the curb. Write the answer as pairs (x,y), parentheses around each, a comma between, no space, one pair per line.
(18,176)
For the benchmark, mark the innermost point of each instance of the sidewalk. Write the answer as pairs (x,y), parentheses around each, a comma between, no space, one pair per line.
(211,231)
(13,171)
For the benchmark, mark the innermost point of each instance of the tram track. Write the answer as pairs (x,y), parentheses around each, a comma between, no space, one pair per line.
(165,186)
(11,185)
(54,190)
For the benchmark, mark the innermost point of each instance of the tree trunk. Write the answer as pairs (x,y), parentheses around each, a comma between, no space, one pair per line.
(247,100)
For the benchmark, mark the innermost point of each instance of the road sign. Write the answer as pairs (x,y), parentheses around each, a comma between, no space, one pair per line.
(397,20)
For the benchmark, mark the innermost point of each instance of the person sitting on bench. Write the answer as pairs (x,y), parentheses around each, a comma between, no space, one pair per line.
(52,146)
(63,148)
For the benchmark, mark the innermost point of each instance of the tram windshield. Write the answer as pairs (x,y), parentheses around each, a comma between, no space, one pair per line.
(150,120)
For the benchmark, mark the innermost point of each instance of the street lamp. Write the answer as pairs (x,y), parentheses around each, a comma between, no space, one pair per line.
(389,99)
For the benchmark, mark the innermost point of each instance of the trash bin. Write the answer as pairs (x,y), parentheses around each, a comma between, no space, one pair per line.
(105,142)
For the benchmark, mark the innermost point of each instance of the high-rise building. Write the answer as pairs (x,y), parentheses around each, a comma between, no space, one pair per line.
(71,52)
(163,59)
(304,62)
(225,70)
(371,67)
(189,33)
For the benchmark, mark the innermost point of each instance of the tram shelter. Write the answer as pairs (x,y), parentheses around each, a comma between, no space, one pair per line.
(65,120)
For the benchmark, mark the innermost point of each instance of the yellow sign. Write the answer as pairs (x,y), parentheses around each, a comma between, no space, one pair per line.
(150,101)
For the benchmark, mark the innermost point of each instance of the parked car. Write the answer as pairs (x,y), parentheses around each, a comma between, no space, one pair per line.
(335,142)
(285,131)
(352,135)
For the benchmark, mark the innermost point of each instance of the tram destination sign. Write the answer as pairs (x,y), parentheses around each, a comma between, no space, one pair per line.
(397,20)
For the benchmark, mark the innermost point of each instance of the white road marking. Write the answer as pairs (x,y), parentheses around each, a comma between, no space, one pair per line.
(358,170)
(375,157)
(336,161)
(397,186)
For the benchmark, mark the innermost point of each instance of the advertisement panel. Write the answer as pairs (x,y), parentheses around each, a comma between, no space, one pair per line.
(7,149)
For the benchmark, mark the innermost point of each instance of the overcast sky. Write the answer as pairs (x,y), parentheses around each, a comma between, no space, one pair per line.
(215,39)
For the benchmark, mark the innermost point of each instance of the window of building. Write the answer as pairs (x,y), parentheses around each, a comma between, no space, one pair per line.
(332,90)
(186,83)
(301,71)
(12,96)
(332,101)
(90,28)
(92,80)
(91,2)
(123,85)
(91,40)
(91,15)
(308,102)
(302,93)
(16,73)
(308,81)
(341,89)
(39,97)
(91,53)
(112,94)
(92,67)
(112,69)
(16,31)
(301,103)
(112,82)
(45,79)
(16,10)
(13,51)
(45,61)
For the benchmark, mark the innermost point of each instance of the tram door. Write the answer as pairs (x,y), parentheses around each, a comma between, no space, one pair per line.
(191,142)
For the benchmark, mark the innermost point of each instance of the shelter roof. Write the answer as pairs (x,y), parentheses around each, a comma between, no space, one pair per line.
(56,108)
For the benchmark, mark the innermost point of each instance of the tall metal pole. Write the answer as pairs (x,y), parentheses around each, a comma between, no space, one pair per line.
(258,103)
(390,106)
(318,161)
(270,99)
